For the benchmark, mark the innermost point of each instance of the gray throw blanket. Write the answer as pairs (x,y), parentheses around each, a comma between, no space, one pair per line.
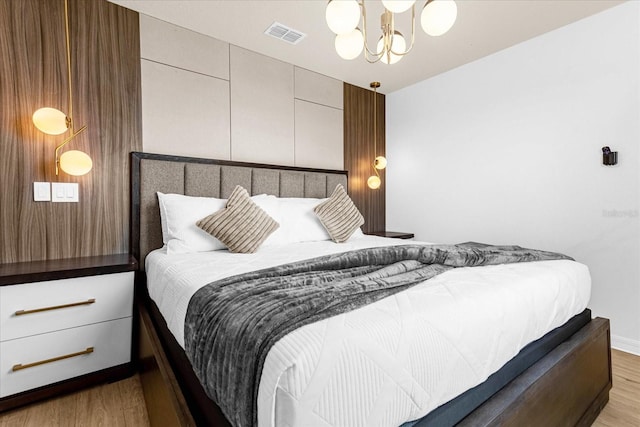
(232,323)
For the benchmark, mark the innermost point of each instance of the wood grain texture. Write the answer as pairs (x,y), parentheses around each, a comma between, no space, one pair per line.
(568,387)
(359,153)
(116,404)
(624,398)
(38,271)
(105,57)
(165,403)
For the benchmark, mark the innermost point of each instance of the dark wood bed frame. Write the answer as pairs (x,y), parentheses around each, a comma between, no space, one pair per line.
(567,387)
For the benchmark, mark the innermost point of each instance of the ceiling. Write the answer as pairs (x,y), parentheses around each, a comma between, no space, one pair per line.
(482,28)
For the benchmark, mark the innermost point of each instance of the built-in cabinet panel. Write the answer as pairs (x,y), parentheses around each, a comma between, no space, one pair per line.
(172,45)
(318,88)
(184,113)
(262,109)
(205,98)
(319,132)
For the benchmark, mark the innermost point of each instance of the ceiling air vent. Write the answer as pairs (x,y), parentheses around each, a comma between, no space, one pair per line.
(285,33)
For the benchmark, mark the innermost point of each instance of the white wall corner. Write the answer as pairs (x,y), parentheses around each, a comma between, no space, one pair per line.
(625,344)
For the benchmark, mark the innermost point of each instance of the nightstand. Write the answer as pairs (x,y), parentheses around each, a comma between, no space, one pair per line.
(64,324)
(392,234)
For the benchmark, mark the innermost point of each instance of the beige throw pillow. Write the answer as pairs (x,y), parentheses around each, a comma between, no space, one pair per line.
(242,225)
(339,215)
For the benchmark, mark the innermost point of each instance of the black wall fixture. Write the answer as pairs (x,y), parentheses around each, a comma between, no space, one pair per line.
(609,158)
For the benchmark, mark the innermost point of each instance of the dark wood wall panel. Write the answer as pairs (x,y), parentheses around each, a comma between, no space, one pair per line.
(105,49)
(359,153)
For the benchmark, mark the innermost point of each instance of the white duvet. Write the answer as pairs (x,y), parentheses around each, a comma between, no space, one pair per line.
(394,360)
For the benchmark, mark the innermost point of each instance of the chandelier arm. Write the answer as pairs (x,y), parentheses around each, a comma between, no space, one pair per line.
(370,61)
(413,27)
(401,53)
(413,30)
(368,51)
(413,35)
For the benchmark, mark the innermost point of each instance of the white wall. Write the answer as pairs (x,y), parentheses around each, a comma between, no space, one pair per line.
(202,97)
(507,149)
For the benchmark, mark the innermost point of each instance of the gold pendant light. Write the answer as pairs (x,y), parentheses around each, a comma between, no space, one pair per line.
(348,20)
(379,162)
(54,122)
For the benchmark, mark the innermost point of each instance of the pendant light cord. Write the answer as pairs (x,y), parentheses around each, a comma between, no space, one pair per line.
(66,28)
(375,86)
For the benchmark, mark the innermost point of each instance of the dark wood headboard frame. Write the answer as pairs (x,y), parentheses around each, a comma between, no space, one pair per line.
(137,157)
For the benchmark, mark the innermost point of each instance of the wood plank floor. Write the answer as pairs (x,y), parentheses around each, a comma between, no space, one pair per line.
(119,404)
(122,403)
(623,409)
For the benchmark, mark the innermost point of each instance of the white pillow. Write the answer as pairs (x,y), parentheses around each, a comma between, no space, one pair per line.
(179,214)
(298,221)
(271,206)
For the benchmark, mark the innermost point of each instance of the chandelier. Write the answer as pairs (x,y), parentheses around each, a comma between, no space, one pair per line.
(344,16)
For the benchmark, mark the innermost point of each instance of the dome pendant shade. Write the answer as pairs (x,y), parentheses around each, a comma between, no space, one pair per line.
(51,121)
(398,6)
(438,16)
(342,15)
(349,45)
(75,162)
(374,182)
(380,162)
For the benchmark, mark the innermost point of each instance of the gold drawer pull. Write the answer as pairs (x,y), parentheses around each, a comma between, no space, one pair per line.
(55,307)
(20,366)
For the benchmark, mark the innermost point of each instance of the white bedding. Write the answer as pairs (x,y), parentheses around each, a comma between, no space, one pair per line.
(397,359)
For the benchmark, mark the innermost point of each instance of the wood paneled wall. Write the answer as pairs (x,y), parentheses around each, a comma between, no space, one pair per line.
(105,49)
(359,153)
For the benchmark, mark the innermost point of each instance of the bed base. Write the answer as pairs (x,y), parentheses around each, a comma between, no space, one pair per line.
(568,387)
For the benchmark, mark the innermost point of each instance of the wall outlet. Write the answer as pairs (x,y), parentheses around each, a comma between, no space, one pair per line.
(41,191)
(64,192)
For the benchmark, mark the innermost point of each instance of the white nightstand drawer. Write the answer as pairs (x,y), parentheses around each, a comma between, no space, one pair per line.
(67,303)
(105,344)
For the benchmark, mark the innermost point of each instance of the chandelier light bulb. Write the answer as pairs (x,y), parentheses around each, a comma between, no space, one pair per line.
(380,162)
(50,121)
(398,6)
(342,15)
(438,16)
(374,182)
(75,162)
(399,46)
(349,45)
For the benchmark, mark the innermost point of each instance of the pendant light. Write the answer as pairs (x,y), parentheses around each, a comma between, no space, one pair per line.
(379,162)
(54,122)
(348,20)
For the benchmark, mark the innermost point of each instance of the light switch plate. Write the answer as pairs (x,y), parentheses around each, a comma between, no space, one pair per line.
(41,191)
(64,192)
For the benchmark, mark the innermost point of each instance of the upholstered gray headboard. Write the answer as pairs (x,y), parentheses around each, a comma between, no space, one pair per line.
(210,178)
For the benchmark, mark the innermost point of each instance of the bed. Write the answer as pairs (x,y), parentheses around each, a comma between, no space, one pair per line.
(562,378)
